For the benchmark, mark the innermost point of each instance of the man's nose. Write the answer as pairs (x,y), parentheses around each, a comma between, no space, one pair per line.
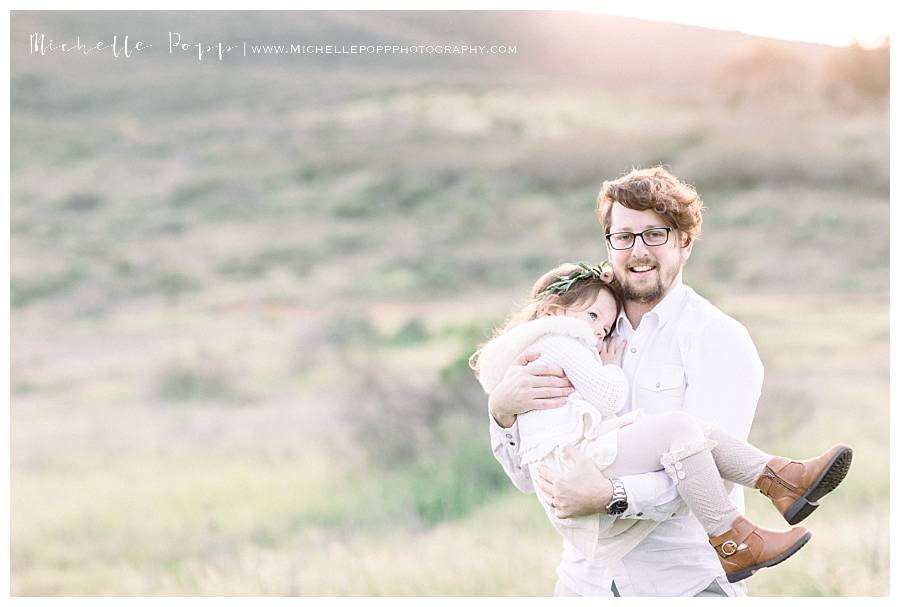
(639,249)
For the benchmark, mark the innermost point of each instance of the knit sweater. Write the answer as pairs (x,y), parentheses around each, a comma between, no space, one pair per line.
(600,390)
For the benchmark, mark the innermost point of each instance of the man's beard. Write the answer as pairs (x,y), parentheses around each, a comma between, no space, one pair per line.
(648,293)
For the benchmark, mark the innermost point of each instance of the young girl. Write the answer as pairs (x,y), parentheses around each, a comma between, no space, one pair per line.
(572,311)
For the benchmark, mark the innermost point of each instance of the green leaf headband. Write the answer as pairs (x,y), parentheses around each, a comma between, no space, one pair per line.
(564,283)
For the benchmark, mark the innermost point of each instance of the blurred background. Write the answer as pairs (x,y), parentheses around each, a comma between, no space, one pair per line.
(244,291)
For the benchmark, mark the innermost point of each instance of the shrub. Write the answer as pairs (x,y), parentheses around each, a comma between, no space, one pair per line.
(856,73)
(205,379)
(82,201)
(413,331)
(24,292)
(432,434)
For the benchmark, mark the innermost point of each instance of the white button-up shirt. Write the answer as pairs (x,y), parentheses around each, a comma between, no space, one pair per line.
(686,355)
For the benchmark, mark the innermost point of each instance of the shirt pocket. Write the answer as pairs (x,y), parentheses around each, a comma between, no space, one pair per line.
(661,389)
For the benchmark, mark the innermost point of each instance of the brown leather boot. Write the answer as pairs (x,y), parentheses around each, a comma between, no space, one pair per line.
(747,547)
(796,487)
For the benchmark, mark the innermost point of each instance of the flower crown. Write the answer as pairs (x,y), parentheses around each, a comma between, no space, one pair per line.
(587,271)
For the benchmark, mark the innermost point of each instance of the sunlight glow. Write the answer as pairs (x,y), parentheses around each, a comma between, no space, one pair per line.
(834,23)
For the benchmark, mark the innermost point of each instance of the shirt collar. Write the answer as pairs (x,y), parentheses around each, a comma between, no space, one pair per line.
(664,310)
(670,304)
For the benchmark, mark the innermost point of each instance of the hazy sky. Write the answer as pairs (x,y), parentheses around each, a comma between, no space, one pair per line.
(830,22)
(837,23)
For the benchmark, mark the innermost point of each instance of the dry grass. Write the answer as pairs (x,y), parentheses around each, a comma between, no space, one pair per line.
(143,497)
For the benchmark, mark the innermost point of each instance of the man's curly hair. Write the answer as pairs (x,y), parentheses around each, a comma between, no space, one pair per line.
(654,189)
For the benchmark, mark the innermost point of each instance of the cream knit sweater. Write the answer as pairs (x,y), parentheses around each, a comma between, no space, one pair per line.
(600,390)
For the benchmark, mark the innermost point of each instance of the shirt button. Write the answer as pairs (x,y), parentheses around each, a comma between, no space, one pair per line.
(680,474)
(679,465)
(657,384)
(633,350)
(512,444)
(509,436)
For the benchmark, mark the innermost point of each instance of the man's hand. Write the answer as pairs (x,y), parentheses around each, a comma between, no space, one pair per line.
(529,384)
(579,491)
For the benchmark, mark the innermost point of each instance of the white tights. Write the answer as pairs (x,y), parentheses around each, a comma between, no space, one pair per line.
(698,457)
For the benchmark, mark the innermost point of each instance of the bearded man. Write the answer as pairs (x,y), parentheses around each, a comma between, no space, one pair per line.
(684,354)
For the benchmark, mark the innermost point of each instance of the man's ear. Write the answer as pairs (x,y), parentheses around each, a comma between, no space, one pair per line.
(687,249)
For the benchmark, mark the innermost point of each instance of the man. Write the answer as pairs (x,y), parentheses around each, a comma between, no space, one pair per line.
(682,354)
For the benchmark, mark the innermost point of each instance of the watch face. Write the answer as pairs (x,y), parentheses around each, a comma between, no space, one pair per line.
(617,507)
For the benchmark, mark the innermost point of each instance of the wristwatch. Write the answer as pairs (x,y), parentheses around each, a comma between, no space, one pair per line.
(619,502)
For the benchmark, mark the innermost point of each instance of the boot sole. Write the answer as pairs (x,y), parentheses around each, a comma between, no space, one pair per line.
(742,574)
(827,482)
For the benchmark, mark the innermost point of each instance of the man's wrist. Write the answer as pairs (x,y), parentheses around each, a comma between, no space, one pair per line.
(618,502)
(605,495)
(504,421)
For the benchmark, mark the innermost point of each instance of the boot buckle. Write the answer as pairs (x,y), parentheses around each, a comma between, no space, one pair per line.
(729,547)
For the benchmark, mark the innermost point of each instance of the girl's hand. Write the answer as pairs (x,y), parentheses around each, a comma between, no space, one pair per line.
(612,350)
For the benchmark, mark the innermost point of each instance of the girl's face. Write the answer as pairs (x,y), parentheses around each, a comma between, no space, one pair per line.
(600,315)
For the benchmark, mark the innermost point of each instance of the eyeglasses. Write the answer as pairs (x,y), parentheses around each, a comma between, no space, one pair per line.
(652,237)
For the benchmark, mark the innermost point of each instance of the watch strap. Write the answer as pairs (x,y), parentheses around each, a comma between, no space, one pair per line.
(618,503)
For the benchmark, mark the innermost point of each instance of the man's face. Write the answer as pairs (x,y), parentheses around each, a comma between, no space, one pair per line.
(645,273)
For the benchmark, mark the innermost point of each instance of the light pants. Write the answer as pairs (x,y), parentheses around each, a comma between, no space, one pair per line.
(714,589)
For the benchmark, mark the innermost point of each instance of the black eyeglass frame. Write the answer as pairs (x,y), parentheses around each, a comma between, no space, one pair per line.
(634,237)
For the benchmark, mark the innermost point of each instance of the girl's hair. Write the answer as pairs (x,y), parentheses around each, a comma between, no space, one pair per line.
(582,291)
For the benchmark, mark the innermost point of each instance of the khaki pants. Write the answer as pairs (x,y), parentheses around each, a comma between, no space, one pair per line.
(563,590)
(714,589)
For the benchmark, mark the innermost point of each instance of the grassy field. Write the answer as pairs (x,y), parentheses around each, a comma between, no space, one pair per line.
(243,296)
(118,493)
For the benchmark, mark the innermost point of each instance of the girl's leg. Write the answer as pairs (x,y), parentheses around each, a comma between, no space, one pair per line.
(676,442)
(685,452)
(795,487)
(642,443)
(737,460)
